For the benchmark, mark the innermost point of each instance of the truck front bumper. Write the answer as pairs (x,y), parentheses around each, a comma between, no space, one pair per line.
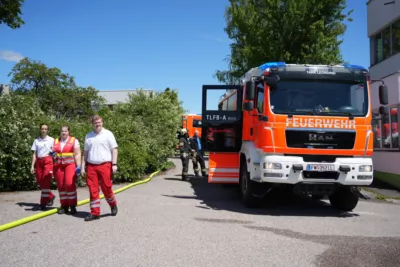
(293,169)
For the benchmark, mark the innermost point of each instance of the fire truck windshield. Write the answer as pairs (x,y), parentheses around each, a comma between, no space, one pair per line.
(196,124)
(333,98)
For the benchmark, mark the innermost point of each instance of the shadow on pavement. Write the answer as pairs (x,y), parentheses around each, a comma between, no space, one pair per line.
(83,214)
(347,250)
(31,205)
(220,197)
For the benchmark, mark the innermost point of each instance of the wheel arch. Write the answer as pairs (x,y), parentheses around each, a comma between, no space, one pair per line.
(252,159)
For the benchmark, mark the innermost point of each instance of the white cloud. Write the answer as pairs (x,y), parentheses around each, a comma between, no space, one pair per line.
(10,56)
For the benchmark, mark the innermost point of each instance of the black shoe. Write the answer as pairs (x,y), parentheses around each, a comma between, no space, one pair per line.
(196,174)
(91,217)
(51,201)
(39,207)
(114,210)
(63,210)
(73,210)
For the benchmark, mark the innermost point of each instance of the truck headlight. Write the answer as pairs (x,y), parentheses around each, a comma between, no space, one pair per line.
(365,168)
(272,166)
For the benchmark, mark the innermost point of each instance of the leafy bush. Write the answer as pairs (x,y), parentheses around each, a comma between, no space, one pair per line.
(144,129)
(19,119)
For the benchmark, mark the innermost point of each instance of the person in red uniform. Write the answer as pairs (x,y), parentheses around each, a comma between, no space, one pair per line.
(66,169)
(42,166)
(100,156)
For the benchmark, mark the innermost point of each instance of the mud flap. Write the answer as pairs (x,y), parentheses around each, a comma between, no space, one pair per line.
(223,168)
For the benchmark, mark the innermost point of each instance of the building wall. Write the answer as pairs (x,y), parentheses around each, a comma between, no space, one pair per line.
(4,89)
(384,32)
(385,68)
(393,84)
(114,97)
(379,15)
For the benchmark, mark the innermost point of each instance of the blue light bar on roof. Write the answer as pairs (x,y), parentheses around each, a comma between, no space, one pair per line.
(350,66)
(271,65)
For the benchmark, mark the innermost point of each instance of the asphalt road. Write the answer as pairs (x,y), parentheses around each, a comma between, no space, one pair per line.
(168,222)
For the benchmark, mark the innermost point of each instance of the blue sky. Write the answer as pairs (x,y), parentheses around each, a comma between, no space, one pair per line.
(137,44)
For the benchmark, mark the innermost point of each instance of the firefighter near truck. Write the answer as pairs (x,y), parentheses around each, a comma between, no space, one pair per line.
(190,122)
(303,127)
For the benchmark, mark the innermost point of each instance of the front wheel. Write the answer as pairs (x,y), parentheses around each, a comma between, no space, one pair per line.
(247,187)
(344,198)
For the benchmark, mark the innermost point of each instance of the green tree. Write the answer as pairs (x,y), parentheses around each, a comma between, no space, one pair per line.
(159,113)
(19,126)
(56,92)
(10,13)
(144,128)
(293,31)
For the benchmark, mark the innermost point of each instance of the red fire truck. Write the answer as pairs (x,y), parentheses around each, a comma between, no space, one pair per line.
(307,127)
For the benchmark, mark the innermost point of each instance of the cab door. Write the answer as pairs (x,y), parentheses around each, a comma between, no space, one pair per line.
(222,131)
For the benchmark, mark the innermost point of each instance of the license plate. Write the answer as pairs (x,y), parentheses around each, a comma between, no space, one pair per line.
(320,167)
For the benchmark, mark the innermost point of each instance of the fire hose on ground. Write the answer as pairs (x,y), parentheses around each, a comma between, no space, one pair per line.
(82,202)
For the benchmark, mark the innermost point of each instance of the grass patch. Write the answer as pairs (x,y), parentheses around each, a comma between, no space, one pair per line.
(379,195)
(168,165)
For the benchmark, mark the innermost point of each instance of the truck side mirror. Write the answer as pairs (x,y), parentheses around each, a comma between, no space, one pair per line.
(248,106)
(273,80)
(383,95)
(250,90)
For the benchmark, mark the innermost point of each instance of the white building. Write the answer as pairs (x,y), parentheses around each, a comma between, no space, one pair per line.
(4,89)
(113,97)
(384,33)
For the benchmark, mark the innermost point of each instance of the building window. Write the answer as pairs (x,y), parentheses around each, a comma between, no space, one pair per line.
(386,131)
(378,43)
(376,126)
(387,42)
(394,128)
(396,37)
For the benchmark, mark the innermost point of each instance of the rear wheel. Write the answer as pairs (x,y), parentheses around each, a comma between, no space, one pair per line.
(247,187)
(344,198)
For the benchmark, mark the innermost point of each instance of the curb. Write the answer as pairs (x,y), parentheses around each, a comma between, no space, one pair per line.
(31,218)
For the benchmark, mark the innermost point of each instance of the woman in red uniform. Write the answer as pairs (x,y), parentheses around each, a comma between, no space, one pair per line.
(42,166)
(66,169)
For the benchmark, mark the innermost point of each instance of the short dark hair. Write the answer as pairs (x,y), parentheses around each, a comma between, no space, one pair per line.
(40,127)
(96,117)
(42,124)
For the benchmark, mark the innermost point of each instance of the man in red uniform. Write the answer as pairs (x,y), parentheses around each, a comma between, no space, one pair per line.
(100,155)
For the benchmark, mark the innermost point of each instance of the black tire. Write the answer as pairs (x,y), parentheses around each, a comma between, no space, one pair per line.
(246,187)
(344,199)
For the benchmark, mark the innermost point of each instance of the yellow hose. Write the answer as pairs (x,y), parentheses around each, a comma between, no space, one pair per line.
(53,211)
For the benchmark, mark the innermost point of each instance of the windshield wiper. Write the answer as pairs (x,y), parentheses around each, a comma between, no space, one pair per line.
(300,112)
(316,113)
(349,114)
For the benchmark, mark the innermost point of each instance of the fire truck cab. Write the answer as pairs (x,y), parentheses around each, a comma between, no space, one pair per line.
(192,122)
(307,127)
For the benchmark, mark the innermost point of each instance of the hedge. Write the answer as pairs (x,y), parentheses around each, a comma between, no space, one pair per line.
(144,128)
